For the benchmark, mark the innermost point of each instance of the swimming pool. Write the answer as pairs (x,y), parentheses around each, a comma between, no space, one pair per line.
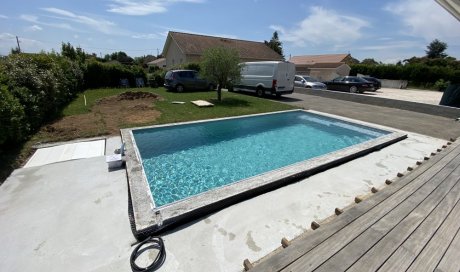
(194,165)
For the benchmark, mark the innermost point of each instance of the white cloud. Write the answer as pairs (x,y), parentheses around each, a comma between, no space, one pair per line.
(3,16)
(324,26)
(144,7)
(146,36)
(426,19)
(34,28)
(391,46)
(100,25)
(35,20)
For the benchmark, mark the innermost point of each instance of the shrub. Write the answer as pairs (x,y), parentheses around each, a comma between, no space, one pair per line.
(441,85)
(41,83)
(13,126)
(98,75)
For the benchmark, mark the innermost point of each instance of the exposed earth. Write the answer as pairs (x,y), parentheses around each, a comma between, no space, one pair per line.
(107,116)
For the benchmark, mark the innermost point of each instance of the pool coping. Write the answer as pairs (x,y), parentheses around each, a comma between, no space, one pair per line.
(149,219)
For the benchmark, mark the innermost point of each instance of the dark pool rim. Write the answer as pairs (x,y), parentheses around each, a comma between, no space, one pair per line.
(146,219)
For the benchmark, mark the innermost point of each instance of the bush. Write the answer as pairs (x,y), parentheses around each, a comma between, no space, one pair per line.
(13,125)
(441,85)
(157,79)
(99,75)
(38,86)
(419,74)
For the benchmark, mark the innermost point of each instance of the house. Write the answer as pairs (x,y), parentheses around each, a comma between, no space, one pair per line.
(161,62)
(322,67)
(181,48)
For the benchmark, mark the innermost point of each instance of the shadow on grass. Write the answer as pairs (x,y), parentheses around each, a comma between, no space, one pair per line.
(231,102)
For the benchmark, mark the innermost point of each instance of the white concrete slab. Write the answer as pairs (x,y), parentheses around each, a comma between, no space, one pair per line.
(202,103)
(72,216)
(66,152)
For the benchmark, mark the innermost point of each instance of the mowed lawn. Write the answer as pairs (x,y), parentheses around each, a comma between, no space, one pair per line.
(232,104)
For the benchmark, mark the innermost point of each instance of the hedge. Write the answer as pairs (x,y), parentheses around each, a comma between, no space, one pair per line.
(415,73)
(98,74)
(36,88)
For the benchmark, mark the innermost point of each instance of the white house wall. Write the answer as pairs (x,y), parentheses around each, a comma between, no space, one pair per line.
(174,56)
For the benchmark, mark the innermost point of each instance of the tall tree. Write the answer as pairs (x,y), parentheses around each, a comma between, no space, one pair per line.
(220,65)
(275,44)
(435,49)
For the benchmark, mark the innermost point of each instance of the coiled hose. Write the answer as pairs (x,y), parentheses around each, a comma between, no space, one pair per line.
(149,244)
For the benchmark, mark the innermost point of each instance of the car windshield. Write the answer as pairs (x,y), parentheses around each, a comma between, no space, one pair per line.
(310,79)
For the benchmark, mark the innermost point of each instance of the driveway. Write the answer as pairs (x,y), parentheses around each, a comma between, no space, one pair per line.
(413,95)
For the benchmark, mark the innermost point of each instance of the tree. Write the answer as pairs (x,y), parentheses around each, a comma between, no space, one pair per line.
(275,44)
(369,61)
(220,65)
(436,49)
(67,50)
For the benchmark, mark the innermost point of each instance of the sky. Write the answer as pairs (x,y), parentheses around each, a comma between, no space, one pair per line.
(387,31)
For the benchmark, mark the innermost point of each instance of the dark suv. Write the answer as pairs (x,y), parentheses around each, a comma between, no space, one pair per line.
(181,80)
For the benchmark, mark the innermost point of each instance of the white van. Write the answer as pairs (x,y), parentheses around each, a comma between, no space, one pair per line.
(267,77)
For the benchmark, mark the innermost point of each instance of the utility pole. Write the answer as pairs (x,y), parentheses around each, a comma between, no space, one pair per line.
(19,47)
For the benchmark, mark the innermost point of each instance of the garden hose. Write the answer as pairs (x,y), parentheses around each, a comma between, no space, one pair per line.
(149,243)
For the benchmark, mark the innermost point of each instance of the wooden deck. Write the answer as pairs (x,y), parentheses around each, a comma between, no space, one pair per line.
(411,225)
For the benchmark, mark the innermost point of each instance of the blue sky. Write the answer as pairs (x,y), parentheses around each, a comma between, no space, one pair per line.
(387,31)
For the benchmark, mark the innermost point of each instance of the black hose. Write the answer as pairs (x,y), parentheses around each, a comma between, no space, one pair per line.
(149,243)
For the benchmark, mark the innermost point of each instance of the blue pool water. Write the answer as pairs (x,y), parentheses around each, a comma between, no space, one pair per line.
(185,160)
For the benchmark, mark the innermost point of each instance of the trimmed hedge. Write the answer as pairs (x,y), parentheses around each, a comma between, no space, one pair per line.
(418,74)
(99,75)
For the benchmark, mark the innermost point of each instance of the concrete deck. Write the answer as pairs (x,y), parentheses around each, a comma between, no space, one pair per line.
(411,225)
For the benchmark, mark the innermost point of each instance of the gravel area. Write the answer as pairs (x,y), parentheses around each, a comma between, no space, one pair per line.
(413,95)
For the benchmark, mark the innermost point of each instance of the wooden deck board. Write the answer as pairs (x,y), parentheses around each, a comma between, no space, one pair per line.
(366,235)
(433,252)
(416,229)
(451,261)
(385,216)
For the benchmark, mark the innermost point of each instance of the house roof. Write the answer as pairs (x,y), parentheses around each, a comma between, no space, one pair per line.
(157,61)
(315,59)
(194,44)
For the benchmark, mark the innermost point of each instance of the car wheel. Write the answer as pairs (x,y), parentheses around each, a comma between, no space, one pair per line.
(179,88)
(353,89)
(260,92)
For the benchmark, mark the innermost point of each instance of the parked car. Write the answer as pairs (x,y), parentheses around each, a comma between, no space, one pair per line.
(262,77)
(350,84)
(309,82)
(377,84)
(186,80)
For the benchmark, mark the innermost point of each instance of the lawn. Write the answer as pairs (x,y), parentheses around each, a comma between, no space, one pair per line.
(106,112)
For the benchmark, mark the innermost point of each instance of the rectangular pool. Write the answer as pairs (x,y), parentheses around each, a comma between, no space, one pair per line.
(192,165)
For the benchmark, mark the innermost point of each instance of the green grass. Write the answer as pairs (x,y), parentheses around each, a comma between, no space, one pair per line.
(232,104)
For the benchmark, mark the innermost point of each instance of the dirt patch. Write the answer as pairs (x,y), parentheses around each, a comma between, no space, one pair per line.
(107,116)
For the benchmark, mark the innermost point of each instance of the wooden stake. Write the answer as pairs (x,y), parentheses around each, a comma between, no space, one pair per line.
(410,168)
(285,243)
(419,162)
(338,211)
(374,190)
(247,265)
(400,175)
(314,225)
(388,182)
(358,199)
